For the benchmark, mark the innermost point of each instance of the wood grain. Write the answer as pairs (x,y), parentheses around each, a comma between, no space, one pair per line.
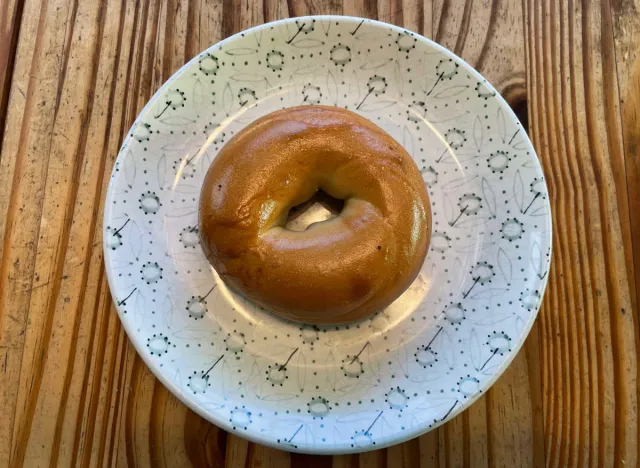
(626,32)
(589,340)
(10,19)
(73,77)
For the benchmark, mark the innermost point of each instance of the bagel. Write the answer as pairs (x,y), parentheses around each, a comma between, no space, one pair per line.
(335,271)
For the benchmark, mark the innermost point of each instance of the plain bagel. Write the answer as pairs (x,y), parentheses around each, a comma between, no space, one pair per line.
(335,271)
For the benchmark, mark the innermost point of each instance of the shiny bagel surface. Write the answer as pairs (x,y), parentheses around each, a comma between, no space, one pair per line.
(335,271)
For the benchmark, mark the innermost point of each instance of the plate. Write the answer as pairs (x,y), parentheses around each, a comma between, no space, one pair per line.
(368,384)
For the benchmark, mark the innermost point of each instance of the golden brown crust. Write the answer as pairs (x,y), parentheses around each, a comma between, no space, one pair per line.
(336,271)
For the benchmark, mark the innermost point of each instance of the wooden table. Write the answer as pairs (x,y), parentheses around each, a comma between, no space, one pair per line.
(73,76)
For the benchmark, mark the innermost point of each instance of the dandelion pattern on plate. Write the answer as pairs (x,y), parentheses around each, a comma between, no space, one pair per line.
(362,385)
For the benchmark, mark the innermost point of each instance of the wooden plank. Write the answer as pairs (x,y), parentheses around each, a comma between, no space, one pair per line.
(626,33)
(23,173)
(10,20)
(588,339)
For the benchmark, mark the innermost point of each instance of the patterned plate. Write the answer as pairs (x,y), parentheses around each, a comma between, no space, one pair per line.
(398,373)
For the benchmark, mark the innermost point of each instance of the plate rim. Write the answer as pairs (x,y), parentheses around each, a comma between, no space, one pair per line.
(186,399)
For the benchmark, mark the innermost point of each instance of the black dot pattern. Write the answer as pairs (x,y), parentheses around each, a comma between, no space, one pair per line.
(349,387)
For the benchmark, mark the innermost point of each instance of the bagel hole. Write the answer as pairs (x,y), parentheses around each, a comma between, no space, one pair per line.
(320,207)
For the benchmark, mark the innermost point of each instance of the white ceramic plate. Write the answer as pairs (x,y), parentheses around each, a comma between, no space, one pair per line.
(392,376)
